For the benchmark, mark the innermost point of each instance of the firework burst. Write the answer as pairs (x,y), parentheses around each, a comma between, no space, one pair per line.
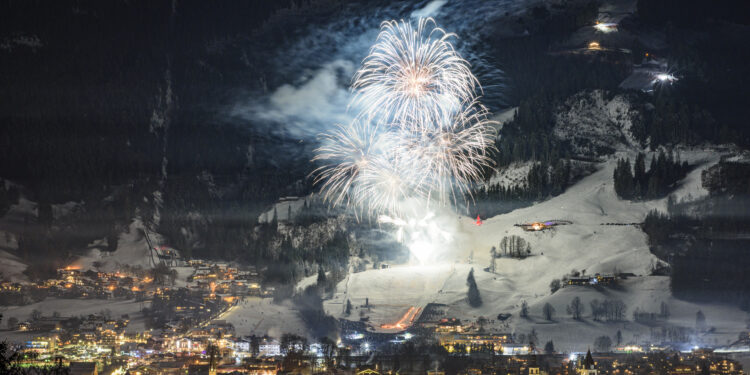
(413,76)
(421,134)
(345,153)
(449,158)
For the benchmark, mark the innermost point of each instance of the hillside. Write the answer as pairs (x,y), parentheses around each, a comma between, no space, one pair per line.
(586,244)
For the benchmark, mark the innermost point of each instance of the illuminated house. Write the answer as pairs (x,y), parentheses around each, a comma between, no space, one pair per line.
(496,340)
(70,275)
(597,279)
(204,273)
(42,344)
(583,280)
(269,348)
(683,370)
(449,326)
(594,46)
(187,345)
(725,367)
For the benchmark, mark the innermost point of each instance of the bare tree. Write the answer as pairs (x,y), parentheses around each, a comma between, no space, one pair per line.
(515,246)
(596,309)
(576,308)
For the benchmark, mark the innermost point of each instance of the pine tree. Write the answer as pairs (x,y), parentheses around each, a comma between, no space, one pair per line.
(348,307)
(549,347)
(475,300)
(275,219)
(321,276)
(623,179)
(639,175)
(653,186)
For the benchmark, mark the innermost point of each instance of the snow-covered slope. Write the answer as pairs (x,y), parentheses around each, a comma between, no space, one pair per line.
(132,250)
(14,220)
(282,209)
(512,175)
(260,316)
(586,244)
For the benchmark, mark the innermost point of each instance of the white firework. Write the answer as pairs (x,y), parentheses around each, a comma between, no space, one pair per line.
(413,76)
(345,152)
(447,159)
(385,185)
(421,134)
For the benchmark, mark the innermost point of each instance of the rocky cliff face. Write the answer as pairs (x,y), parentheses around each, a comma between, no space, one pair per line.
(597,123)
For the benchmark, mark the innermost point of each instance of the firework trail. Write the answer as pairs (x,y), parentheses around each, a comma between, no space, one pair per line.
(421,132)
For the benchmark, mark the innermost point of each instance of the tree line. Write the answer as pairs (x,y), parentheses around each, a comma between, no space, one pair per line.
(636,183)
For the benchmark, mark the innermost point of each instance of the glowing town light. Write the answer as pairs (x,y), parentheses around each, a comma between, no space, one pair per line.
(594,46)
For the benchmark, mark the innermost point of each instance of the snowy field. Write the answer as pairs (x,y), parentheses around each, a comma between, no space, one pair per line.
(132,250)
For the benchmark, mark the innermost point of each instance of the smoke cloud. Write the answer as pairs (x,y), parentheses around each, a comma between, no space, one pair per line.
(312,73)
(305,109)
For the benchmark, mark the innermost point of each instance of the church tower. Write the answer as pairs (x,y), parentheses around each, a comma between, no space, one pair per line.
(588,366)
